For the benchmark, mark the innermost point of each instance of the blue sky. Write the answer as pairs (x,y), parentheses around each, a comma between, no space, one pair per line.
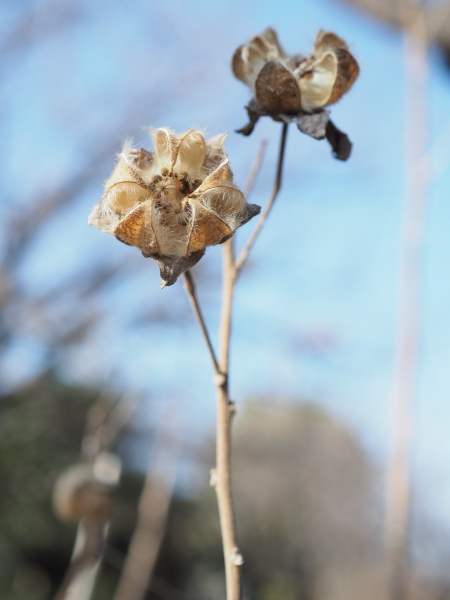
(316,310)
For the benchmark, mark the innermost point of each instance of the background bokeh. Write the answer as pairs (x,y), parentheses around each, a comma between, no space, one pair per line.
(316,309)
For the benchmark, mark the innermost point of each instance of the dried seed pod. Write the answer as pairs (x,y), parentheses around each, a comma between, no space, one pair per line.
(285,84)
(174,202)
(78,494)
(296,88)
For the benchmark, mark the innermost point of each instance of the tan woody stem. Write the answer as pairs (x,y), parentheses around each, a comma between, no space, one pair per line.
(189,286)
(276,188)
(221,475)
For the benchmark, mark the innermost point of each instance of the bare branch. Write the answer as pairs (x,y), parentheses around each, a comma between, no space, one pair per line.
(153,510)
(254,170)
(277,185)
(190,290)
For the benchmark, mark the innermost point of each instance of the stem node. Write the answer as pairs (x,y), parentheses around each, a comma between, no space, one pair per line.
(236,557)
(214,478)
(220,379)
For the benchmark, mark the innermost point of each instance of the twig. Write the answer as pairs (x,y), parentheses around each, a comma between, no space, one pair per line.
(79,581)
(153,510)
(254,169)
(190,289)
(276,188)
(221,475)
(89,548)
(116,559)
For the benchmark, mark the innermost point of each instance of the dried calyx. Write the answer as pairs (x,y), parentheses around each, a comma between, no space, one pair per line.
(297,88)
(174,202)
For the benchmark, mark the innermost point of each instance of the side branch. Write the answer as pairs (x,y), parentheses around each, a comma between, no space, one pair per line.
(254,170)
(190,290)
(276,188)
(221,475)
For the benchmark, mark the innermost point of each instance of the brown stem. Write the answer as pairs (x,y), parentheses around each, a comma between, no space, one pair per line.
(254,170)
(153,510)
(190,289)
(221,475)
(80,578)
(276,188)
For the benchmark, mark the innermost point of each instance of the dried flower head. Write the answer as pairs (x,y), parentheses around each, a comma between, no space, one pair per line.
(173,202)
(79,493)
(296,88)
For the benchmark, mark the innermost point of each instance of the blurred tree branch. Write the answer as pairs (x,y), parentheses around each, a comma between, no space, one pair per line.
(399,477)
(436,17)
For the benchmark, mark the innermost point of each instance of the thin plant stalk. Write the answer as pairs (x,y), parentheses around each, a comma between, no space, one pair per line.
(189,286)
(276,188)
(88,552)
(221,475)
(102,428)
(153,510)
(398,498)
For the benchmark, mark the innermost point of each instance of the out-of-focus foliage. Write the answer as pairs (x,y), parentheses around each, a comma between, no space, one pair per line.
(306,511)
(54,275)
(303,491)
(402,13)
(306,500)
(41,428)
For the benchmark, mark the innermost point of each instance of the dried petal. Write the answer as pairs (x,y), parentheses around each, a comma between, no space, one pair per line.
(348,71)
(219,195)
(327,40)
(166,147)
(226,201)
(172,236)
(136,229)
(238,65)
(216,178)
(191,152)
(208,228)
(316,81)
(271,36)
(128,230)
(215,152)
(125,170)
(99,219)
(123,196)
(125,186)
(247,62)
(277,90)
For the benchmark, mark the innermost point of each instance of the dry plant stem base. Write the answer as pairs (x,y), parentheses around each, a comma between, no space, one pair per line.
(221,475)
